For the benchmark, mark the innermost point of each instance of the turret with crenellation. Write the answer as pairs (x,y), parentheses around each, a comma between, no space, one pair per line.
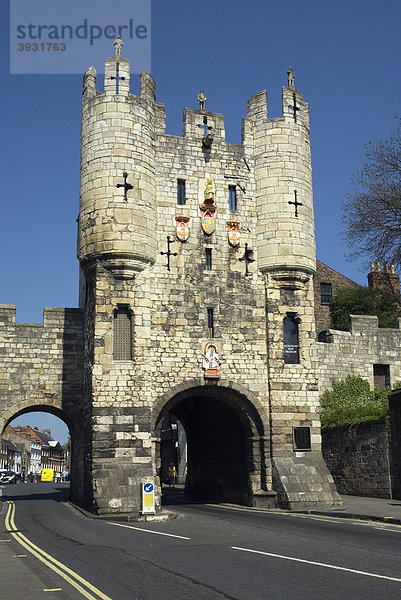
(117,205)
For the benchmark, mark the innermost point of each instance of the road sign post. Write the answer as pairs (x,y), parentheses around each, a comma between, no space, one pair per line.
(148,498)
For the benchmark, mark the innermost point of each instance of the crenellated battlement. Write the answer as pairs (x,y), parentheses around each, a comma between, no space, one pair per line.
(52,317)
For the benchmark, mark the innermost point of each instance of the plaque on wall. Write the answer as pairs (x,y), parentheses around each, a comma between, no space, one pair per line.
(302,438)
(291,340)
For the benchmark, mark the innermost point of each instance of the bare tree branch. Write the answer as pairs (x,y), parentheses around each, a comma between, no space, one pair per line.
(372,213)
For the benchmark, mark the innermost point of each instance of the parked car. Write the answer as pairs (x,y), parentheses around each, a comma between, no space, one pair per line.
(8,477)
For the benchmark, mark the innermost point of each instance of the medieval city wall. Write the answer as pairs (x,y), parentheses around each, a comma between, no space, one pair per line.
(359,459)
(355,352)
(41,364)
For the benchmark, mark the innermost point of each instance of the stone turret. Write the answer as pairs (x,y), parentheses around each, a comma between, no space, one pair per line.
(286,256)
(117,204)
(283,172)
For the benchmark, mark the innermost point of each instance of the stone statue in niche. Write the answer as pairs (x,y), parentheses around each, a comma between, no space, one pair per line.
(211,362)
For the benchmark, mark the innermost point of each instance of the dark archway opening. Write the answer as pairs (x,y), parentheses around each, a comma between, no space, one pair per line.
(223,458)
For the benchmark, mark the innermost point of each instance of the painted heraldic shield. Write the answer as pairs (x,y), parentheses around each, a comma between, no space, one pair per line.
(233,233)
(208,223)
(182,227)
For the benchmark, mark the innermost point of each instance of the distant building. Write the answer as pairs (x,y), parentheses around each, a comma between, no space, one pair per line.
(51,451)
(327,282)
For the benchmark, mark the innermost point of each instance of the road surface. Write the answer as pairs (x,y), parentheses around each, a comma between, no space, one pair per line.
(208,553)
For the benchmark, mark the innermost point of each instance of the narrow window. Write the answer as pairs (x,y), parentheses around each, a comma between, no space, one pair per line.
(232,197)
(381,376)
(181,191)
(291,339)
(208,259)
(302,438)
(210,323)
(325,294)
(122,342)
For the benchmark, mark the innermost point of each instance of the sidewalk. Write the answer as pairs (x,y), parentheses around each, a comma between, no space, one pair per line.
(369,509)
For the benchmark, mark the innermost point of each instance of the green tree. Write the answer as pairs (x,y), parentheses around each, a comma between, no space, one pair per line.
(351,401)
(372,213)
(364,301)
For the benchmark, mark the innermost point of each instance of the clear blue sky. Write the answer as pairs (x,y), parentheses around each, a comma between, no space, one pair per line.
(346,59)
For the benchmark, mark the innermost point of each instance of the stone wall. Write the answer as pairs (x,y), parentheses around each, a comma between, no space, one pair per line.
(41,366)
(395,420)
(359,459)
(354,352)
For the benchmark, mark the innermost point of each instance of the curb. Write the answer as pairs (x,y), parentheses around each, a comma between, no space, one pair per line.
(163,516)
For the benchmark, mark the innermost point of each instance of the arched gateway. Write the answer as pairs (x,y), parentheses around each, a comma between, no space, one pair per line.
(228,450)
(196,265)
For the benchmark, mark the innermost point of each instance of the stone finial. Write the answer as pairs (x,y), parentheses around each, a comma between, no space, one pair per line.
(385,268)
(291,77)
(392,269)
(118,44)
(379,268)
(202,100)
(372,267)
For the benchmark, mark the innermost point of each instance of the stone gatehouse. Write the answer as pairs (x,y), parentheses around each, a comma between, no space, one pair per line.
(196,260)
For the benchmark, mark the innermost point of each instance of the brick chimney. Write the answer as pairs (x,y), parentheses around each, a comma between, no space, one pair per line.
(383,279)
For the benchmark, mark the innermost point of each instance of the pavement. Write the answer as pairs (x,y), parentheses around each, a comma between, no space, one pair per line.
(21,579)
(366,509)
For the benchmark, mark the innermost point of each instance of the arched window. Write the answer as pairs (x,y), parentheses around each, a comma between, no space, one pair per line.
(291,339)
(122,339)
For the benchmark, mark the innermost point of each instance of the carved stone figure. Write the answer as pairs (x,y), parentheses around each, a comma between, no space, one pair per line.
(291,78)
(202,100)
(118,44)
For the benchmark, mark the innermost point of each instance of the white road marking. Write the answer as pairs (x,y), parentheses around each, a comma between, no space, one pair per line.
(382,526)
(311,562)
(325,520)
(388,529)
(181,537)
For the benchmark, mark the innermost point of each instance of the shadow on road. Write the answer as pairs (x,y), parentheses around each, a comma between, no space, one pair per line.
(37,491)
(174,496)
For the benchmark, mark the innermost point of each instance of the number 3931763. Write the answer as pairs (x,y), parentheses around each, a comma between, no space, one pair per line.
(42,47)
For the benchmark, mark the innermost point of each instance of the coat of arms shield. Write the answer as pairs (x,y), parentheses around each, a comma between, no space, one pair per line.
(208,223)
(233,233)
(182,227)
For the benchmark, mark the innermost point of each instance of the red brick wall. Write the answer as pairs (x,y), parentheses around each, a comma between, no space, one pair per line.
(325,274)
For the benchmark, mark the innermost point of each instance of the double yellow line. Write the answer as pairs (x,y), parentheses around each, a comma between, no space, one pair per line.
(88,590)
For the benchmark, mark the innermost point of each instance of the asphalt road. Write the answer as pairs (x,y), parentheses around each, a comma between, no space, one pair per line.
(211,552)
